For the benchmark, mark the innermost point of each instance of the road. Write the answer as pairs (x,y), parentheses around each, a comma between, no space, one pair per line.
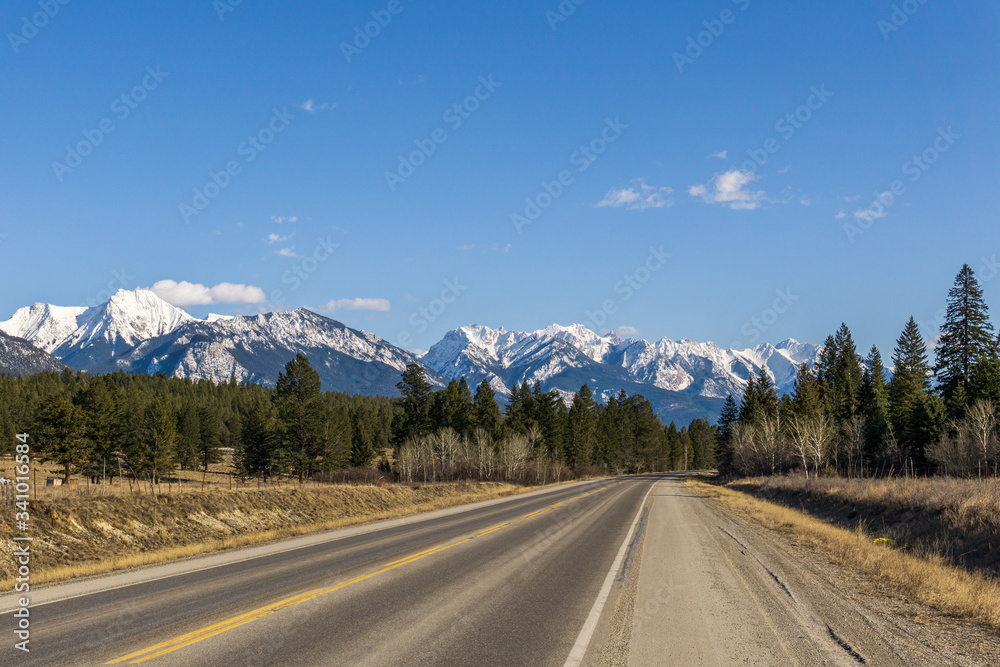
(633,570)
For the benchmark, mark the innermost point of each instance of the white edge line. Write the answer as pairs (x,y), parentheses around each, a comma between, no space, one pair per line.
(587,632)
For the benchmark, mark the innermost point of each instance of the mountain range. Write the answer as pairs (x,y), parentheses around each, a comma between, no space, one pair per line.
(138,332)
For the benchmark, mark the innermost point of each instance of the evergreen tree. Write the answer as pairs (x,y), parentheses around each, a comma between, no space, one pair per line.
(256,453)
(58,435)
(582,423)
(362,451)
(209,441)
(301,413)
(485,411)
(967,340)
(874,403)
(416,392)
(730,415)
(910,381)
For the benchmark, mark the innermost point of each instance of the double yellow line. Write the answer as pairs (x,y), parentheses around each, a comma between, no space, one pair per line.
(189,638)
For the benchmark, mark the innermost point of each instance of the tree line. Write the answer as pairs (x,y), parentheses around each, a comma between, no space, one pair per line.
(148,427)
(844,416)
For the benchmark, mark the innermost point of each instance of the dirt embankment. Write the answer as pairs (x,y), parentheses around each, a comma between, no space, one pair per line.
(90,535)
(956,519)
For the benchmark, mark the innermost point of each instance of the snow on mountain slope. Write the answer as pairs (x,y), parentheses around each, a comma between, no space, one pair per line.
(124,321)
(46,326)
(608,363)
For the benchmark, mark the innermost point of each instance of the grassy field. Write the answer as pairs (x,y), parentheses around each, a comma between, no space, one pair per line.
(920,575)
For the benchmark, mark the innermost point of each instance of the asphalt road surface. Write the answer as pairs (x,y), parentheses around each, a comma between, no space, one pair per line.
(622,571)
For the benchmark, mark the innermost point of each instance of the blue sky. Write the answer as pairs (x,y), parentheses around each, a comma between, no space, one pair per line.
(670,126)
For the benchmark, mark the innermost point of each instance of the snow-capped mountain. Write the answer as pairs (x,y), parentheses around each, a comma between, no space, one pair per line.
(19,357)
(256,348)
(45,326)
(682,377)
(137,331)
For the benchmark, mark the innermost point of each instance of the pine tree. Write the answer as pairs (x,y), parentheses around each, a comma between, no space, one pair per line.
(582,424)
(58,435)
(485,411)
(209,441)
(750,408)
(256,452)
(416,392)
(730,415)
(301,413)
(874,404)
(845,382)
(967,340)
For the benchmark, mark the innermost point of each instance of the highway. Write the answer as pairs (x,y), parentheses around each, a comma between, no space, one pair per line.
(634,570)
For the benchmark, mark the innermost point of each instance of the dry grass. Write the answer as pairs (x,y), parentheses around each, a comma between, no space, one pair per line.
(957,519)
(78,537)
(925,579)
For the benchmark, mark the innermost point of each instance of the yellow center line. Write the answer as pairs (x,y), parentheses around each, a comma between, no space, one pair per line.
(195,636)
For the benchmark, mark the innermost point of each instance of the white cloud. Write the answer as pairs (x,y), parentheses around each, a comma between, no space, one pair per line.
(627,331)
(286,252)
(637,197)
(377,305)
(840,215)
(311,106)
(806,202)
(469,246)
(275,238)
(729,189)
(280,219)
(183,293)
(721,155)
(870,214)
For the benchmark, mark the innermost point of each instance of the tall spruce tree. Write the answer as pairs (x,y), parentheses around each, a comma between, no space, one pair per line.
(724,452)
(967,340)
(874,404)
(910,381)
(416,392)
(301,413)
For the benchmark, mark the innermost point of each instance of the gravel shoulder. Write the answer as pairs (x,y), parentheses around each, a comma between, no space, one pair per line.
(716,588)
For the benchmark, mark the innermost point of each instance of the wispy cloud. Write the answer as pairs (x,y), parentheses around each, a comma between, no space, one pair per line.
(311,106)
(183,293)
(275,238)
(286,252)
(280,219)
(720,155)
(627,331)
(469,246)
(730,190)
(637,197)
(840,215)
(369,304)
